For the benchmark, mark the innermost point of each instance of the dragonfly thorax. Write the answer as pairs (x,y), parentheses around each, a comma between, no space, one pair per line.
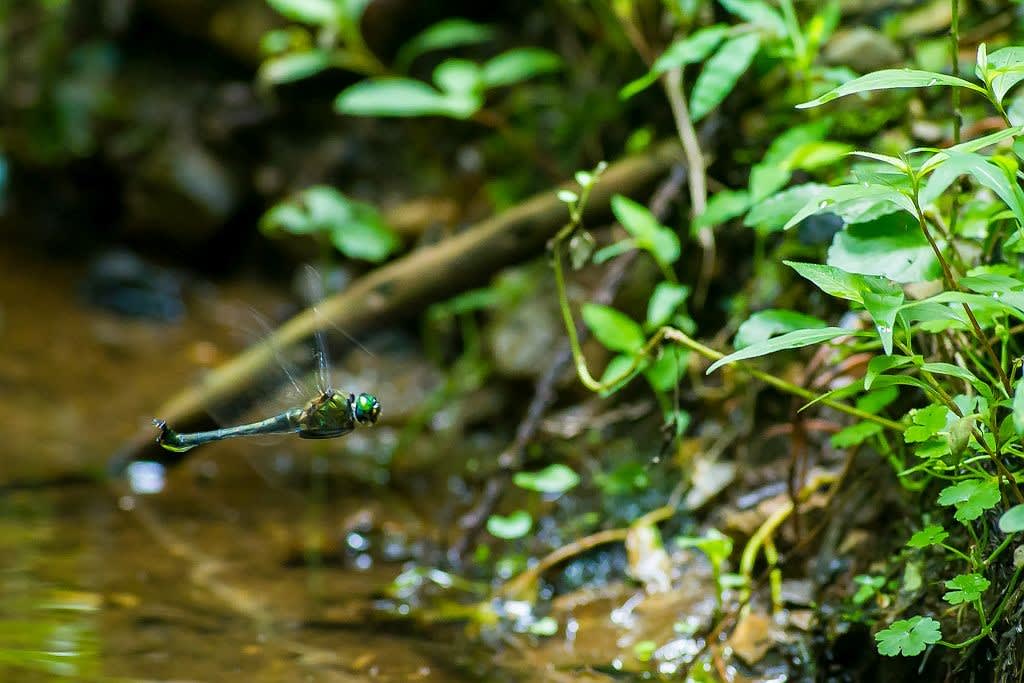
(330,414)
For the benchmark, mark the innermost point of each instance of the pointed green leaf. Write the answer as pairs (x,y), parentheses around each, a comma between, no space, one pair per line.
(882,364)
(443,35)
(792,340)
(293,66)
(889,79)
(883,309)
(664,302)
(772,213)
(519,65)
(400,97)
(836,198)
(691,49)
(763,325)
(721,72)
(757,13)
(891,246)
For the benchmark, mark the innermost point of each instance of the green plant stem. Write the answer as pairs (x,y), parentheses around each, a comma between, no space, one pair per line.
(999,550)
(959,553)
(952,283)
(996,615)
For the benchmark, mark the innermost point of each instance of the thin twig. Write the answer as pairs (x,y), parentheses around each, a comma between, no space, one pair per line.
(673,85)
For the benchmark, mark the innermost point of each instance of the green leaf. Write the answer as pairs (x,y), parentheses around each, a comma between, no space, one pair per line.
(971,498)
(867,587)
(758,13)
(401,97)
(723,206)
(1018,407)
(666,372)
(515,525)
(1012,520)
(883,308)
(307,11)
(366,237)
(855,434)
(984,282)
(814,155)
(518,65)
(1005,70)
(977,144)
(772,213)
(721,72)
(763,325)
(613,329)
(293,66)
(792,340)
(892,246)
(661,242)
(614,249)
(843,285)
(951,370)
(555,478)
(665,301)
(933,534)
(689,50)
(616,370)
(355,228)
(859,196)
(874,401)
(908,637)
(965,588)
(927,422)
(882,364)
(985,172)
(774,170)
(890,79)
(445,34)
(459,76)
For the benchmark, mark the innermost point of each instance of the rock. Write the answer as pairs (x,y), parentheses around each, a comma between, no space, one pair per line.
(863,49)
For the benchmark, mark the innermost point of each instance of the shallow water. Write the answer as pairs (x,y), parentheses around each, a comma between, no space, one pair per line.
(230,572)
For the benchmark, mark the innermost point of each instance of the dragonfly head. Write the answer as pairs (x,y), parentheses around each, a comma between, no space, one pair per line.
(366,409)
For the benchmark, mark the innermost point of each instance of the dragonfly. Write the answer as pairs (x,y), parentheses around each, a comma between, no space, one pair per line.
(329,414)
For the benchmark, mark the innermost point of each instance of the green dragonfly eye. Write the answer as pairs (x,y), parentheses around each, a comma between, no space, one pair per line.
(367,409)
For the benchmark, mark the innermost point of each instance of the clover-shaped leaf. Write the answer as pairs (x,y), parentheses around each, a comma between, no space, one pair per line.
(927,422)
(933,534)
(908,637)
(971,497)
(966,588)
